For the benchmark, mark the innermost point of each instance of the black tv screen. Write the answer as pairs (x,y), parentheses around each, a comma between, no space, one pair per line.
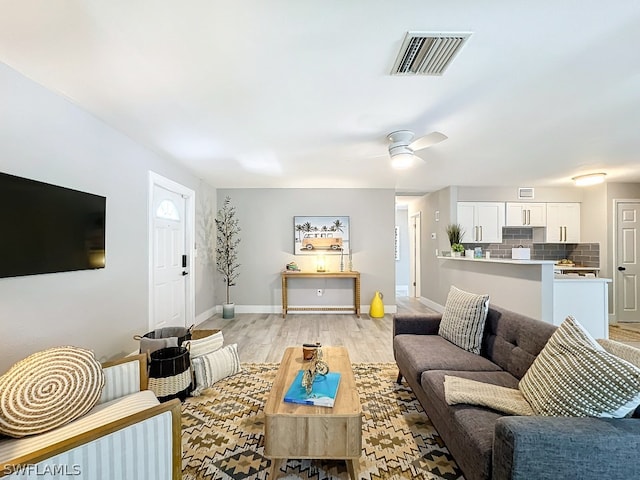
(46,228)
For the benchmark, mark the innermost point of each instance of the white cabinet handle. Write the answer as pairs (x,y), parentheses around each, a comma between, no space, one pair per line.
(524,217)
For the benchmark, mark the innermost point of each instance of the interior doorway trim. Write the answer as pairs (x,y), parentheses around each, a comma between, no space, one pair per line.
(415,231)
(613,294)
(190,201)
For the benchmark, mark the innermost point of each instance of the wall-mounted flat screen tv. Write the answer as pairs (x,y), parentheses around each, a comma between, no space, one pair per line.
(46,228)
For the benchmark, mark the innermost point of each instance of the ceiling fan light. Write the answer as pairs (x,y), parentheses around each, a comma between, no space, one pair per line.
(401,161)
(590,179)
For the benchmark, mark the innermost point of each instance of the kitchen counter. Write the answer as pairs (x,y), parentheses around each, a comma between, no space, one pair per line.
(500,260)
(532,288)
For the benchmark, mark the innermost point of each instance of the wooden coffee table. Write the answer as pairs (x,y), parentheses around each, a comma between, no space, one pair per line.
(306,431)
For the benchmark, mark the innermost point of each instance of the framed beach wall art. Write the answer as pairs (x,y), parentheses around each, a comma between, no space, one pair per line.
(321,235)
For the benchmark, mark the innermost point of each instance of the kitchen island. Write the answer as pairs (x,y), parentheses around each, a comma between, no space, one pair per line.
(529,287)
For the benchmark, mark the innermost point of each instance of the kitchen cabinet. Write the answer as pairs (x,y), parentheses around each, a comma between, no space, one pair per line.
(526,214)
(563,223)
(482,222)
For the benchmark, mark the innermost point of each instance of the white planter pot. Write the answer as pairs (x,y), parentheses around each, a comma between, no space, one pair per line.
(228,310)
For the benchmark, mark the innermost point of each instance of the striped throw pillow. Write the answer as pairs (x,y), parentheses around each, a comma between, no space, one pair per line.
(463,319)
(204,345)
(573,376)
(215,366)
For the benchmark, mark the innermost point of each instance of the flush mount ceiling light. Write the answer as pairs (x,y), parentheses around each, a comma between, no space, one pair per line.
(402,146)
(590,179)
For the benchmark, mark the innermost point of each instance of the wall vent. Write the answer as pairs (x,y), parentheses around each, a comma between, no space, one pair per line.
(424,53)
(525,193)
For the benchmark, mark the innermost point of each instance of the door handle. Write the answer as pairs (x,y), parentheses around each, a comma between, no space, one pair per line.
(524,217)
(185,273)
(621,269)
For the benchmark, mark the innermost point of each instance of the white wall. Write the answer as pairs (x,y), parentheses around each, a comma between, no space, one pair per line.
(266,220)
(45,137)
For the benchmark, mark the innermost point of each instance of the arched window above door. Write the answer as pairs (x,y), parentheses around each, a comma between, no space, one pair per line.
(167,210)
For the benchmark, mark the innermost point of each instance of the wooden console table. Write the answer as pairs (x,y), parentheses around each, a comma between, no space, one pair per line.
(287,274)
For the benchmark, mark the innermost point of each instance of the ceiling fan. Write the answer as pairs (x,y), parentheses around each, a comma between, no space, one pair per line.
(403,146)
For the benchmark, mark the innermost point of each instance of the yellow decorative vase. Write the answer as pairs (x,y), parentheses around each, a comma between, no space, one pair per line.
(376,309)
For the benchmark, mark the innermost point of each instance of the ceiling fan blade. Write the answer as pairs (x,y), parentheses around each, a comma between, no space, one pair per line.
(428,140)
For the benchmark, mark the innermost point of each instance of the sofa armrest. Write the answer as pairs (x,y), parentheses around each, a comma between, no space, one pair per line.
(124,376)
(562,447)
(416,323)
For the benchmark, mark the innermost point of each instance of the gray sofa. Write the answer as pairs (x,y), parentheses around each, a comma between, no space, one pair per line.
(487,444)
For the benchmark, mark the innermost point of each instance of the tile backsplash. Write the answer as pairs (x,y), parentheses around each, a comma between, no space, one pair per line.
(586,254)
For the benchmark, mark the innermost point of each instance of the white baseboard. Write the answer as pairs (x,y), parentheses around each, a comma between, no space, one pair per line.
(278,309)
(431,304)
(206,315)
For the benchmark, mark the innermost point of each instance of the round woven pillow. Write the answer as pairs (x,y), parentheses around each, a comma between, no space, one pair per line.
(49,389)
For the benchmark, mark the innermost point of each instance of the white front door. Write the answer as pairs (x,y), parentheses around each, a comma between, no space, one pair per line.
(169,269)
(627,268)
(171,253)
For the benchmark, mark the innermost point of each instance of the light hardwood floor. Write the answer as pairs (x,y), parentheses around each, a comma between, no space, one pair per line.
(264,337)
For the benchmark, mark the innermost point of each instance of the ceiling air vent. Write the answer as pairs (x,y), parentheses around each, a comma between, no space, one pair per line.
(424,53)
(525,193)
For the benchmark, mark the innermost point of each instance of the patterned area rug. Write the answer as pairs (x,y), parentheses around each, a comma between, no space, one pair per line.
(222,432)
(621,334)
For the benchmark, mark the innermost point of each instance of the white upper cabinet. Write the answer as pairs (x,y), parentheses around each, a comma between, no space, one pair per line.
(482,222)
(563,223)
(526,214)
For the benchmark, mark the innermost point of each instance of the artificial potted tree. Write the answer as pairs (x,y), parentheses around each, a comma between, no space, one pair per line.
(455,233)
(227,240)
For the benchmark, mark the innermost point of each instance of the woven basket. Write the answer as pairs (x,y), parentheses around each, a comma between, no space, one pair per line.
(182,333)
(170,373)
(200,334)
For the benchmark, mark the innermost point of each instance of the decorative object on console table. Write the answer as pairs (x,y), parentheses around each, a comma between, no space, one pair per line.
(227,240)
(327,234)
(292,266)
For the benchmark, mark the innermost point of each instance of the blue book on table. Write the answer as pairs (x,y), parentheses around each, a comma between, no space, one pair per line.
(323,393)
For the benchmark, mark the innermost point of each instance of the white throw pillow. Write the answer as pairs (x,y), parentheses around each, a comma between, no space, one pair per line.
(573,376)
(205,345)
(215,366)
(463,319)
